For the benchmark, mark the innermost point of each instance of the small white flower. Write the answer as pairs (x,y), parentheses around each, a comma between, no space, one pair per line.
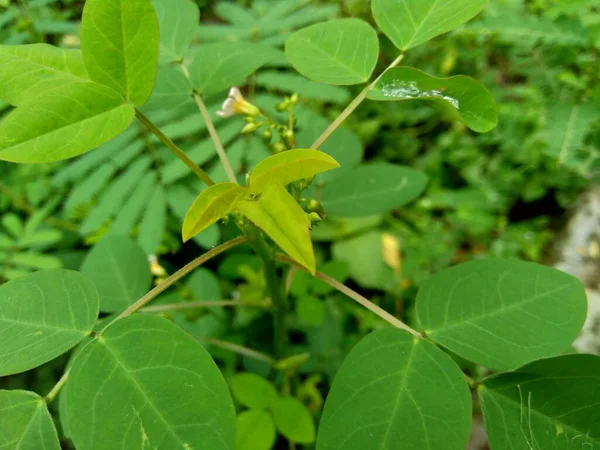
(236,104)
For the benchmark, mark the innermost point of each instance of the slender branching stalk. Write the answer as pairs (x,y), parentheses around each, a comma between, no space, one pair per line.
(240,350)
(174,148)
(354,296)
(200,305)
(57,388)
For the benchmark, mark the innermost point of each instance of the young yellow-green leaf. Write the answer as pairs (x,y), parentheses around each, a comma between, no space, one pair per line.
(26,423)
(372,189)
(255,430)
(119,42)
(252,390)
(32,70)
(119,268)
(294,420)
(340,51)
(278,214)
(63,123)
(502,313)
(396,392)
(220,66)
(211,205)
(42,316)
(552,404)
(289,166)
(178,22)
(146,384)
(463,97)
(411,22)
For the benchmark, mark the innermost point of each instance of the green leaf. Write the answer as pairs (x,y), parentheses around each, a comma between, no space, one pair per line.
(225,64)
(178,22)
(372,189)
(289,166)
(294,420)
(253,391)
(154,222)
(310,310)
(159,389)
(568,125)
(463,97)
(502,313)
(255,431)
(28,71)
(171,90)
(119,42)
(549,404)
(409,23)
(212,204)
(119,269)
(25,422)
(278,214)
(340,51)
(63,123)
(42,316)
(394,391)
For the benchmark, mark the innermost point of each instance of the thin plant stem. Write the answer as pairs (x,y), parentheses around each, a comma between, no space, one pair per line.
(57,388)
(363,301)
(174,148)
(199,305)
(212,131)
(180,274)
(352,106)
(244,351)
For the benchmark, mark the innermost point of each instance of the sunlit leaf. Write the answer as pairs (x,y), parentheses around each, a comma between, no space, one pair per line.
(411,22)
(255,430)
(178,22)
(550,404)
(211,205)
(294,420)
(463,97)
(252,390)
(340,51)
(278,214)
(119,269)
(220,66)
(289,166)
(502,313)
(119,42)
(394,392)
(146,384)
(31,70)
(42,316)
(372,189)
(26,423)
(63,123)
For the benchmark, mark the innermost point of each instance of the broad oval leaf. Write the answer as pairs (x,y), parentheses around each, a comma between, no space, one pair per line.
(293,419)
(42,316)
(502,313)
(26,423)
(119,269)
(394,392)
(411,22)
(289,166)
(211,205)
(255,430)
(219,66)
(172,89)
(63,123)
(549,404)
(28,71)
(119,42)
(463,97)
(340,51)
(147,384)
(278,214)
(252,390)
(372,189)
(178,23)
